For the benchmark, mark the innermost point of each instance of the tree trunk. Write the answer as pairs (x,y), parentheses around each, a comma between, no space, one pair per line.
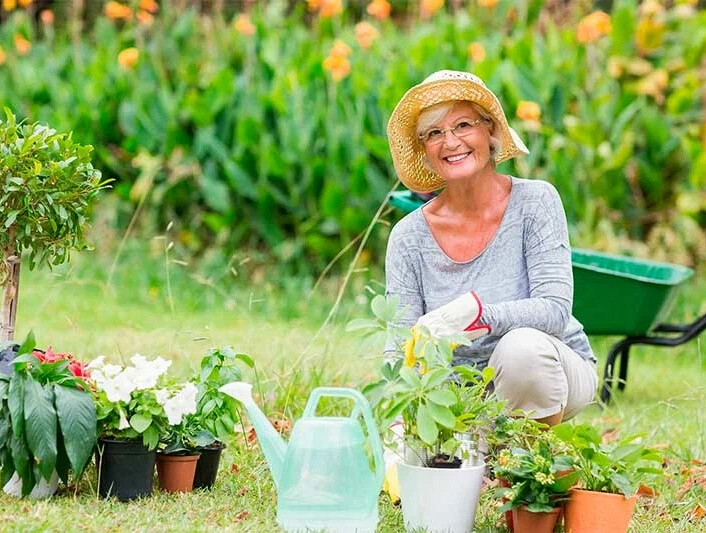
(10,291)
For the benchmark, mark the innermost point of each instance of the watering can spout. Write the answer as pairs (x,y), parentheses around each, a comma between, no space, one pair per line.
(271,442)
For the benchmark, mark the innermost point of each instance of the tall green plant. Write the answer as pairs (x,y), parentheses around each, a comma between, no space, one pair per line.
(46,185)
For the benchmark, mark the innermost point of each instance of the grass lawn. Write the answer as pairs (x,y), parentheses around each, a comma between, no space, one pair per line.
(276,324)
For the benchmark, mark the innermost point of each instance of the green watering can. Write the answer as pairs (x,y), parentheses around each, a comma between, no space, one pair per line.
(323,476)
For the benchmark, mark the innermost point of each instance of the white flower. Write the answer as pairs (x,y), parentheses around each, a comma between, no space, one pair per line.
(119,388)
(98,362)
(145,373)
(110,371)
(182,403)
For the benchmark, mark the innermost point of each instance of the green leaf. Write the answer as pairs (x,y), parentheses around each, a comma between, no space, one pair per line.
(77,421)
(140,422)
(363,324)
(11,217)
(150,437)
(435,378)
(40,426)
(442,415)
(15,403)
(410,377)
(245,358)
(426,427)
(442,397)
(28,344)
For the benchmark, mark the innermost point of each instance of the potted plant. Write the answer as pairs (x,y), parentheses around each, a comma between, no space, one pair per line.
(47,184)
(47,421)
(610,475)
(130,423)
(443,408)
(217,412)
(537,470)
(180,440)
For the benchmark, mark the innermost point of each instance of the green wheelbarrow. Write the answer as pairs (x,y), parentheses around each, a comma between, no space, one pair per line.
(617,295)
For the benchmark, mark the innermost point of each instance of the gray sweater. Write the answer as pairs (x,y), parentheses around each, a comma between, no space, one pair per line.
(523,276)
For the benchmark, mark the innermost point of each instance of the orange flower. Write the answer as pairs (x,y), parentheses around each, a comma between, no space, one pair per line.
(243,25)
(9,5)
(149,5)
(25,3)
(528,110)
(330,8)
(47,17)
(592,27)
(337,60)
(22,45)
(341,49)
(380,9)
(490,4)
(3,57)
(313,5)
(476,51)
(145,18)
(128,58)
(116,11)
(429,7)
(365,34)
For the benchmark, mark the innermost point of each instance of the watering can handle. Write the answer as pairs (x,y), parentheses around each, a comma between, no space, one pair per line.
(361,407)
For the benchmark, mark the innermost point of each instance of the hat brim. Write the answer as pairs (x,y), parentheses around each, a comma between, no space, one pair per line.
(408,154)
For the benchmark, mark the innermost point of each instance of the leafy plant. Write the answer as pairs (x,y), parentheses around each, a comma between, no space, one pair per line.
(126,402)
(47,418)
(539,469)
(218,412)
(609,467)
(184,432)
(435,399)
(47,183)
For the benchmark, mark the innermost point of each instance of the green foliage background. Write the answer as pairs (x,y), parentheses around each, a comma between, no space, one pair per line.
(248,141)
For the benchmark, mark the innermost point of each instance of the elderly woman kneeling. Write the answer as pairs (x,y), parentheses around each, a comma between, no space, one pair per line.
(489,256)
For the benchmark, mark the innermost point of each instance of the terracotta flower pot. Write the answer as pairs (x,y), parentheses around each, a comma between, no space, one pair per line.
(508,514)
(525,521)
(588,511)
(176,472)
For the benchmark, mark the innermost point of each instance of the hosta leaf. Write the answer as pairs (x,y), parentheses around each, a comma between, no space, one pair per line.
(15,403)
(40,426)
(77,420)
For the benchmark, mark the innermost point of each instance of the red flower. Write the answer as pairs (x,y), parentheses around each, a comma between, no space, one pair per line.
(50,356)
(78,369)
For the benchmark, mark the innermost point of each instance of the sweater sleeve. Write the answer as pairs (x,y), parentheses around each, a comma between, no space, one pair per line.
(401,280)
(548,261)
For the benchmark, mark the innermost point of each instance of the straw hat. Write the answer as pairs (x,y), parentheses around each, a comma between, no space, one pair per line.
(408,152)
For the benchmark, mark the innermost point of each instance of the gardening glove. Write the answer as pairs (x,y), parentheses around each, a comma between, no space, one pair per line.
(461,315)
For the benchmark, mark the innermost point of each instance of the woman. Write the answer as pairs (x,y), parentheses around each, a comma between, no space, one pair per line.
(489,256)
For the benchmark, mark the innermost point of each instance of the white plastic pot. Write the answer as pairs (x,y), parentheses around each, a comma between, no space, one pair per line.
(42,490)
(440,499)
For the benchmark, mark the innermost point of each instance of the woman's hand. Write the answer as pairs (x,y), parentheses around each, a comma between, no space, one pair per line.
(460,315)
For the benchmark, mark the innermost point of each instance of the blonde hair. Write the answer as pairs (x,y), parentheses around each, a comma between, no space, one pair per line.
(433,114)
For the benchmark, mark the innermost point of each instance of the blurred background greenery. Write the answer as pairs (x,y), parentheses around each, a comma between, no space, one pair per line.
(255,130)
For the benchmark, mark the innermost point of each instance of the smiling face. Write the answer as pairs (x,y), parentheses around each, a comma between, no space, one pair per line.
(458,158)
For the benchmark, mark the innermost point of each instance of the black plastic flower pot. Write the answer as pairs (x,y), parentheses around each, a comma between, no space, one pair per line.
(207,466)
(125,469)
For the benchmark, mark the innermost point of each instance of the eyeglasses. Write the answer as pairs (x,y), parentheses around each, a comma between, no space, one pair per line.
(436,135)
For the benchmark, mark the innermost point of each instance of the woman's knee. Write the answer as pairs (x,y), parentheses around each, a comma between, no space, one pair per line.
(528,373)
(518,351)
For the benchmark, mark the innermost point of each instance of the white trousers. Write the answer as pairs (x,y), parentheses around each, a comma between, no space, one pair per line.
(541,375)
